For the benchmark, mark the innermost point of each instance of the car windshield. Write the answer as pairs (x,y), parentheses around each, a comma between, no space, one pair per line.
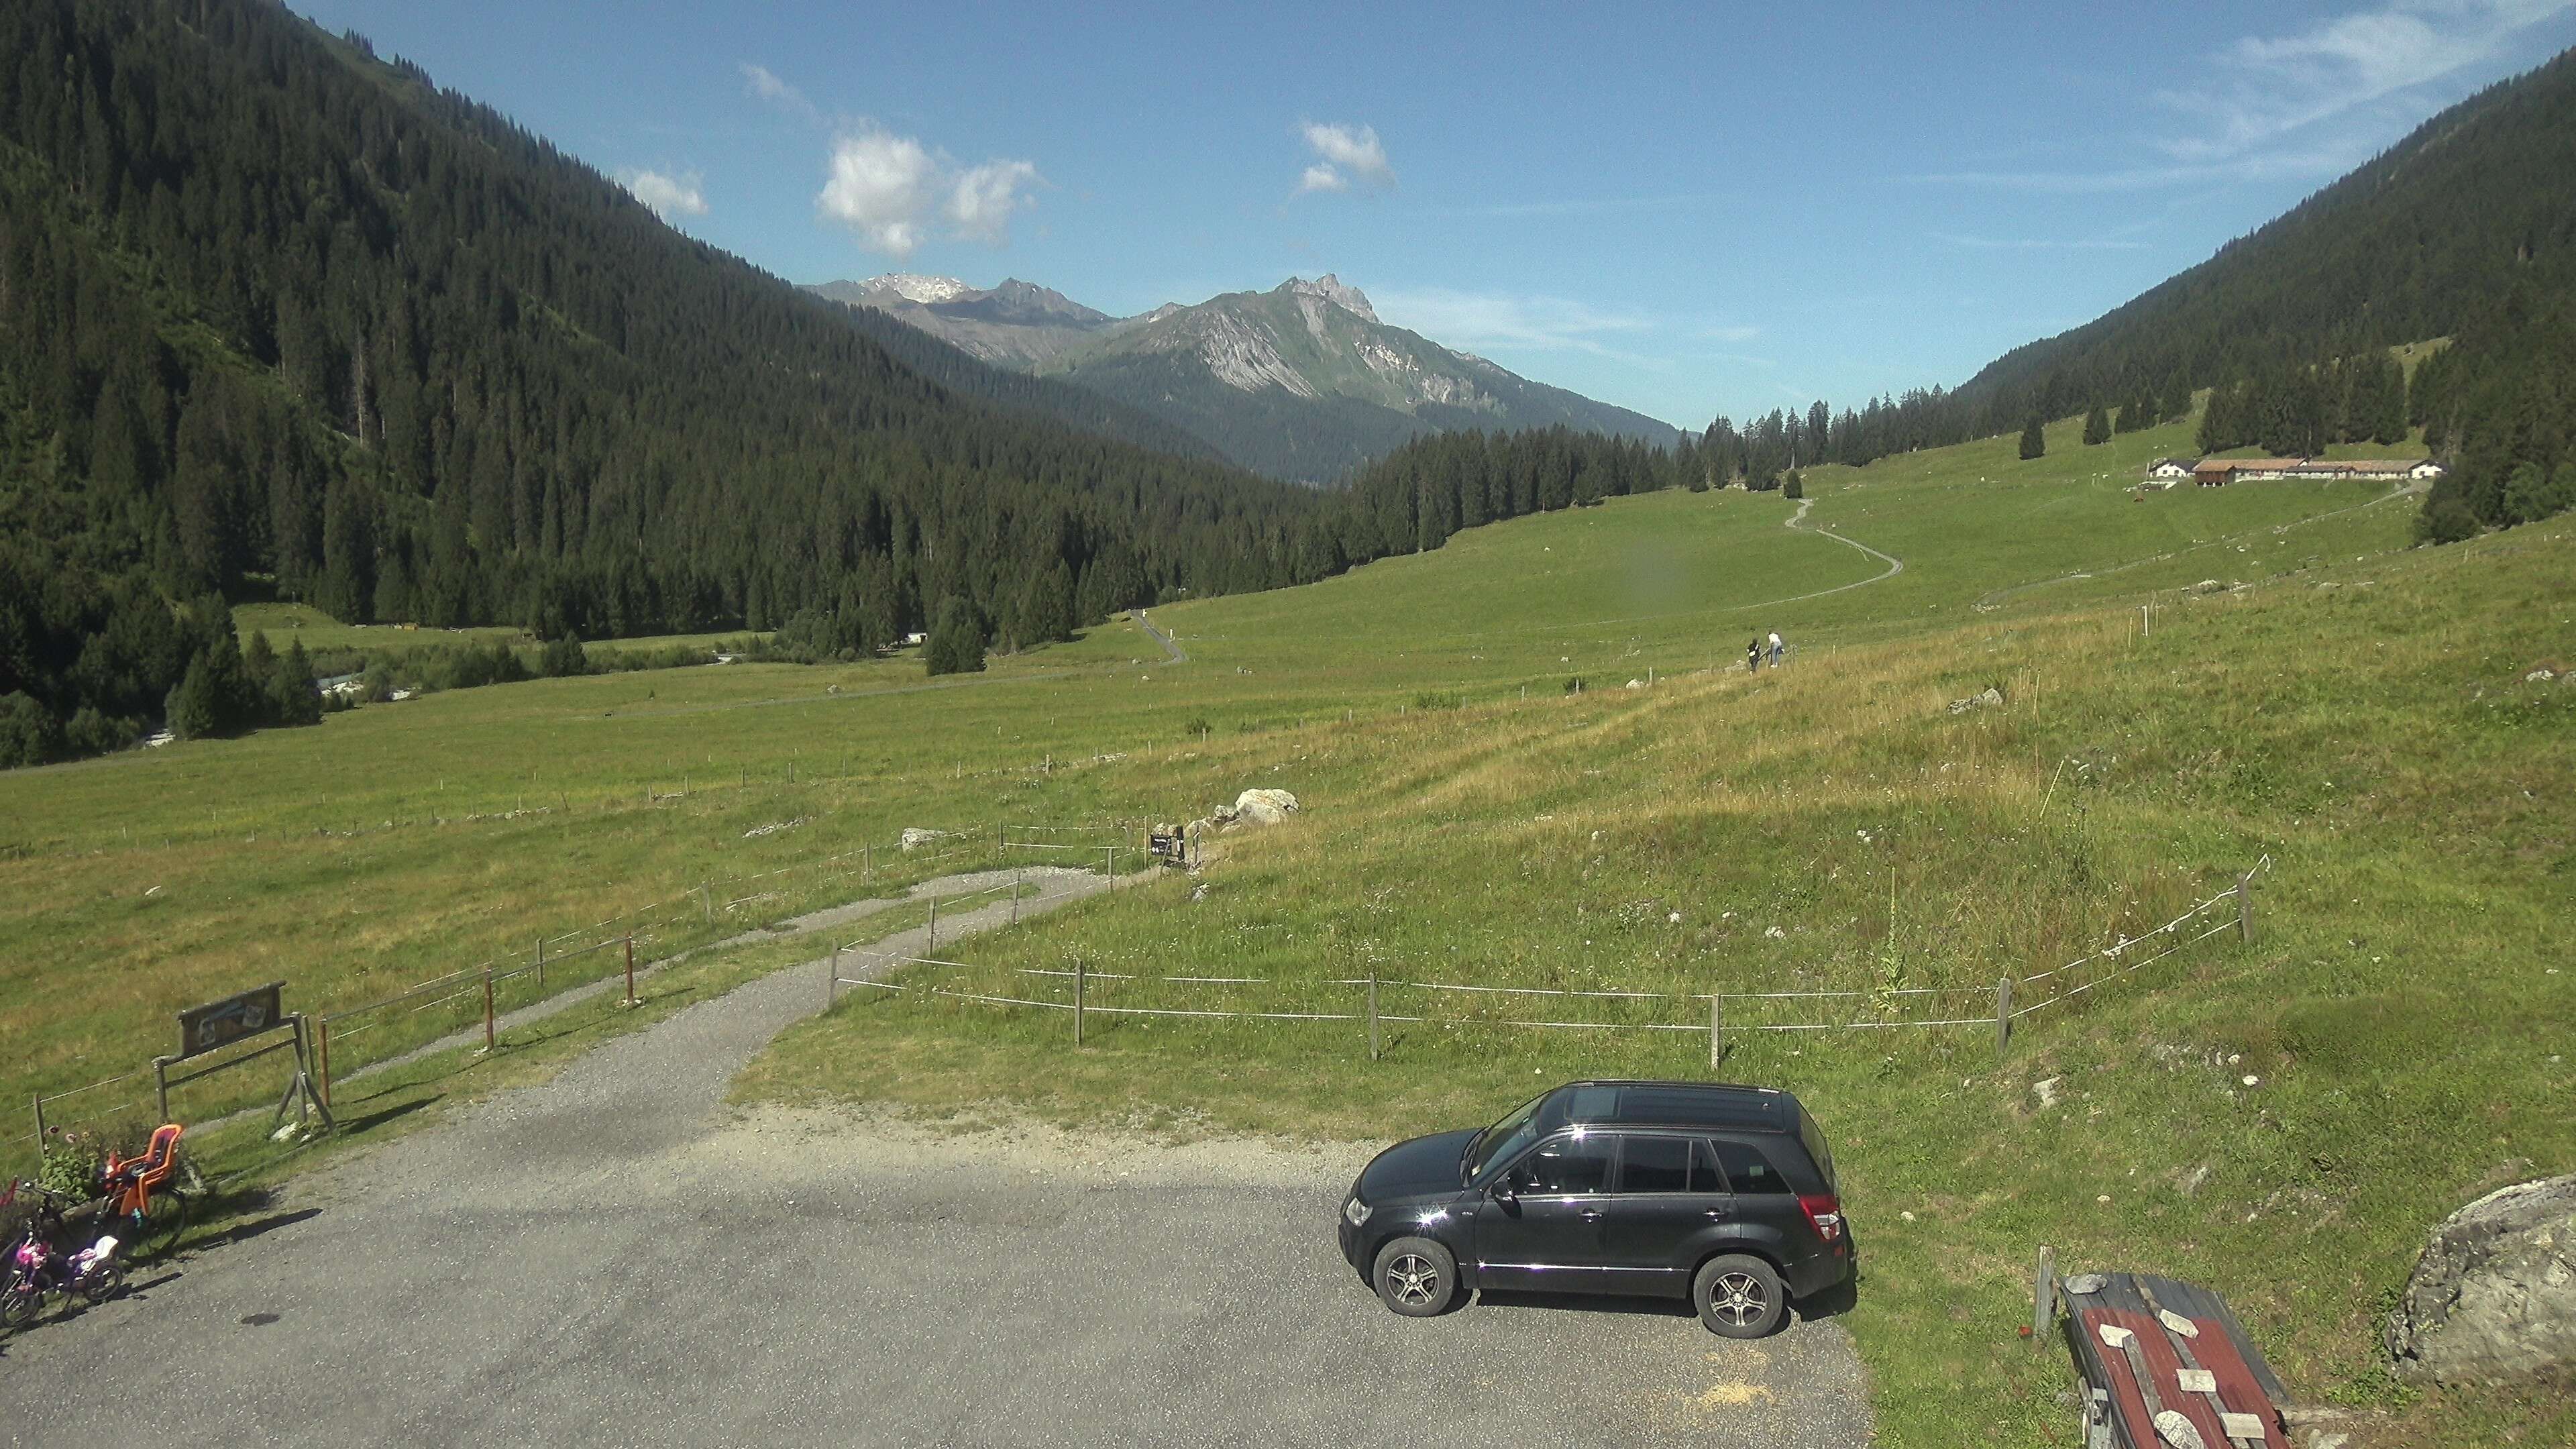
(1504,1138)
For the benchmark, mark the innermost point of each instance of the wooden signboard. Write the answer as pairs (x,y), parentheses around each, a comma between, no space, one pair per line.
(204,1028)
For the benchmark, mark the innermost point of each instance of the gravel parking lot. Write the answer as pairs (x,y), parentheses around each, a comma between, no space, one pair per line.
(614,1257)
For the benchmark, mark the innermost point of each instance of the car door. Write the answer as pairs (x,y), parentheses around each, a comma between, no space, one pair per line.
(1666,1203)
(1544,1233)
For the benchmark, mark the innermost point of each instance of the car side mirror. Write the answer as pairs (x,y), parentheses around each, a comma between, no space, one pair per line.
(1502,1193)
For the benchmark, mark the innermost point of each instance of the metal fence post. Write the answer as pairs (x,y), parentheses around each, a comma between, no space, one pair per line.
(1373,1013)
(2003,1015)
(1081,976)
(1716,1030)
(489,1033)
(2043,1293)
(2245,907)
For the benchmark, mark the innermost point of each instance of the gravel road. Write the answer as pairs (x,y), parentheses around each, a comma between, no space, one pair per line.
(617,1257)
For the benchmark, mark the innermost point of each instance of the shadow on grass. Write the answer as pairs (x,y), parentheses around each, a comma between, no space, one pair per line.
(381,1116)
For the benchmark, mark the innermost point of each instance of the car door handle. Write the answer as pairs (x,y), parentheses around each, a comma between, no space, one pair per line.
(1719,1213)
(1591,1215)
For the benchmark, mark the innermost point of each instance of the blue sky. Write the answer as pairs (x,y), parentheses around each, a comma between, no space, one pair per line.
(1684,210)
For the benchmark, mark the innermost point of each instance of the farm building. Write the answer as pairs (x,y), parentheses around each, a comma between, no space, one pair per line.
(2219,472)
(2175,468)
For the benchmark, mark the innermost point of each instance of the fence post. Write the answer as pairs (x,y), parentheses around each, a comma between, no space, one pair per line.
(541,965)
(1372,1013)
(40,1126)
(161,1087)
(489,1035)
(2142,621)
(2245,907)
(1015,895)
(630,972)
(2043,1293)
(932,949)
(832,980)
(2003,1016)
(1716,1030)
(322,1052)
(706,903)
(1081,975)
(867,862)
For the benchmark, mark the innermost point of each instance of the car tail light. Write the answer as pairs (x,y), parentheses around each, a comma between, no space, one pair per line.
(1825,1211)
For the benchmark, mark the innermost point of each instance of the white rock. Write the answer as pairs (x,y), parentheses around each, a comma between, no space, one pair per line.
(1776,934)
(2047,1090)
(914,839)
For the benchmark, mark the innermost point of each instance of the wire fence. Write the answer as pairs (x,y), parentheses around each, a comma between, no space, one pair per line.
(1083,992)
(358,1036)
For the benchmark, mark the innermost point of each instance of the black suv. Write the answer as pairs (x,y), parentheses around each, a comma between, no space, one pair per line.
(1721,1193)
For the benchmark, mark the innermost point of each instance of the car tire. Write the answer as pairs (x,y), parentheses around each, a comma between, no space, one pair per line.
(1740,1296)
(1415,1277)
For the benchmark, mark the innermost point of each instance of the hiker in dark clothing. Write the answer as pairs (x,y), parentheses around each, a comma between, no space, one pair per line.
(1753,657)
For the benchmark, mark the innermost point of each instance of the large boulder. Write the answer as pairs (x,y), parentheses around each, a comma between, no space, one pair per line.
(1257,807)
(2493,1299)
(914,838)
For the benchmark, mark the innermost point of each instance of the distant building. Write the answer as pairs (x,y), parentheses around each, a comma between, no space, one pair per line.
(2219,472)
(2175,468)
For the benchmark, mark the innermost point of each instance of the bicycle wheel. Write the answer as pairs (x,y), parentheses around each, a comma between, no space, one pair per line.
(158,1229)
(19,1305)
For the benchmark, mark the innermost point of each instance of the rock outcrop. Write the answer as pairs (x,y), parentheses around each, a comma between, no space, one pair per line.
(915,838)
(1255,807)
(2493,1299)
(1992,697)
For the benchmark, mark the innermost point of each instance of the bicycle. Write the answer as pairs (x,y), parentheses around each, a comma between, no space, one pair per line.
(33,1269)
(154,1195)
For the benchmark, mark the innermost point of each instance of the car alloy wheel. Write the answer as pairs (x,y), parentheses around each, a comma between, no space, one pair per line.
(1413,1280)
(1416,1277)
(1738,1298)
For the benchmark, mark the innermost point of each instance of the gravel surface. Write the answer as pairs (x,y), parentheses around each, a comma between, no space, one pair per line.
(616,1257)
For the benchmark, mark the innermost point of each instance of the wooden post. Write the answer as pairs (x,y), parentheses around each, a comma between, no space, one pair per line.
(1372,1013)
(706,903)
(541,965)
(40,1127)
(1081,975)
(1015,895)
(322,1050)
(2142,621)
(867,861)
(161,1087)
(832,980)
(2003,1015)
(2043,1293)
(1716,1030)
(630,970)
(2245,907)
(490,1034)
(932,949)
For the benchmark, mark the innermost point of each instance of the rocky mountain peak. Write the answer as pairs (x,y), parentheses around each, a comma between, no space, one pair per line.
(1333,289)
(916,288)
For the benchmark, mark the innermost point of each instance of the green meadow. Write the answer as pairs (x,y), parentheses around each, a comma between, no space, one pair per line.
(2356,712)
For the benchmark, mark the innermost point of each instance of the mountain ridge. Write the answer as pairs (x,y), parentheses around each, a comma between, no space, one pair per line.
(1304,381)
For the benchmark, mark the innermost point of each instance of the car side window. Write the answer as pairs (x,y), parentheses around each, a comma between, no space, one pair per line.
(1747,1170)
(1567,1165)
(1655,1164)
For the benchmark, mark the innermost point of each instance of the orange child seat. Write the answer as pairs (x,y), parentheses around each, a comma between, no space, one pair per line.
(133,1178)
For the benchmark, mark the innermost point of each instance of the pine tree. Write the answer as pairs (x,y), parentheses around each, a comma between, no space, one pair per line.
(1795,486)
(2097,426)
(293,699)
(956,642)
(259,671)
(2034,440)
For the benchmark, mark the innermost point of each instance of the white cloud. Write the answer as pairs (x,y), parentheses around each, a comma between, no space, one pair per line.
(669,196)
(1499,320)
(896,193)
(2311,104)
(2264,87)
(2036,244)
(1344,154)
(982,199)
(765,84)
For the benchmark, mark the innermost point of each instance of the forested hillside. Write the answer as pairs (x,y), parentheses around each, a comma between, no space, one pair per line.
(2466,229)
(283,316)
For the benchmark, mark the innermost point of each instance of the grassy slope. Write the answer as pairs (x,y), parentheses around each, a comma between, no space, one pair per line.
(345,858)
